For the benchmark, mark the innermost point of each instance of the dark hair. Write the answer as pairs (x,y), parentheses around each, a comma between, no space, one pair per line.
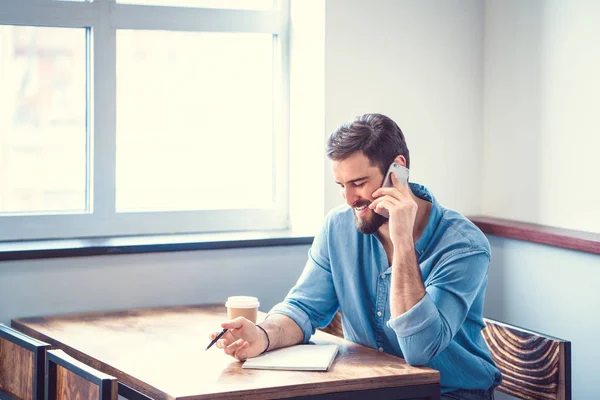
(375,135)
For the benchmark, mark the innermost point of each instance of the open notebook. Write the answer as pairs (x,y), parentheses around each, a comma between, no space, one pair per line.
(302,357)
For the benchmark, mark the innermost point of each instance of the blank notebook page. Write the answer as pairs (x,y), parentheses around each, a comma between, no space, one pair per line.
(302,357)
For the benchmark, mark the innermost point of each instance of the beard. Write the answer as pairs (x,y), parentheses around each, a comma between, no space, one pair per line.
(371,223)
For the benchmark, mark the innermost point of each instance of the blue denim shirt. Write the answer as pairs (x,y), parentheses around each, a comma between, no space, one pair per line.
(349,270)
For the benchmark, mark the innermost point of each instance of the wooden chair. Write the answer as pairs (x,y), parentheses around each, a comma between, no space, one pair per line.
(335,326)
(68,378)
(533,365)
(22,365)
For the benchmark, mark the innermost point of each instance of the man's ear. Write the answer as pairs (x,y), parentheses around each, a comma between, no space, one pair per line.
(400,160)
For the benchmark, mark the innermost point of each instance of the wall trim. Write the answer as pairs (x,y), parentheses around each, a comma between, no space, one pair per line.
(559,237)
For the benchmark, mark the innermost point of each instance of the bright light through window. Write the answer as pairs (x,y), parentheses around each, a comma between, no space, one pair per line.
(42,119)
(194,121)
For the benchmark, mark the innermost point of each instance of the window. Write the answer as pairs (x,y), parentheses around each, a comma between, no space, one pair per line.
(43,119)
(140,117)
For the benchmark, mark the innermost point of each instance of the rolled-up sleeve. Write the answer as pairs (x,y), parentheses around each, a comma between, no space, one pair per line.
(312,302)
(428,327)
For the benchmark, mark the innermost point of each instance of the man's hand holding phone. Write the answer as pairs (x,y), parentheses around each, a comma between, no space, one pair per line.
(401,173)
(397,202)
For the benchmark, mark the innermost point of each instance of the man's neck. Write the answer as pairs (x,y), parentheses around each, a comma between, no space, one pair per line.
(423,210)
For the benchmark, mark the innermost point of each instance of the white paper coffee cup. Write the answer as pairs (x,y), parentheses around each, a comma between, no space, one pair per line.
(242,306)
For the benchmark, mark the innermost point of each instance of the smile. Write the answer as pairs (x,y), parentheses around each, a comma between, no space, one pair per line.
(361,211)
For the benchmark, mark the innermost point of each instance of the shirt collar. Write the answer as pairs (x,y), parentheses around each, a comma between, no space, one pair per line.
(434,216)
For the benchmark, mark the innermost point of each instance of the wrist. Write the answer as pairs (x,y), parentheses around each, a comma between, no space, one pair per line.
(407,245)
(267,341)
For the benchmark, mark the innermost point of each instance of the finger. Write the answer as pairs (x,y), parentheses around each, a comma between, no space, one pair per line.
(240,353)
(213,335)
(222,343)
(233,347)
(398,192)
(389,199)
(384,204)
(236,323)
(228,337)
(375,202)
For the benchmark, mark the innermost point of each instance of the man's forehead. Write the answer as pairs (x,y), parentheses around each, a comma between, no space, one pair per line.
(353,168)
(356,160)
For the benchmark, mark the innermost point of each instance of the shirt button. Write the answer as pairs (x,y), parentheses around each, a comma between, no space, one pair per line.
(379,313)
(381,349)
(382,276)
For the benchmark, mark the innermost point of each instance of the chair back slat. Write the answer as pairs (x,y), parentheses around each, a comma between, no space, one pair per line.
(69,385)
(21,365)
(68,378)
(534,366)
(16,370)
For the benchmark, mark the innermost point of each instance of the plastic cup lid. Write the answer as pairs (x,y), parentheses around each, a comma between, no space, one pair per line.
(242,302)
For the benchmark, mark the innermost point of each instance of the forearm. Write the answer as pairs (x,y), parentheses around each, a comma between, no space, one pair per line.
(406,287)
(282,331)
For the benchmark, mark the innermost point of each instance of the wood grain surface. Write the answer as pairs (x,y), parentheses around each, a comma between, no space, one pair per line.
(16,370)
(70,379)
(72,386)
(533,366)
(160,352)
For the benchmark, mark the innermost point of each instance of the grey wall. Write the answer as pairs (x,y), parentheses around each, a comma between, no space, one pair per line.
(541,96)
(66,285)
(420,63)
(554,291)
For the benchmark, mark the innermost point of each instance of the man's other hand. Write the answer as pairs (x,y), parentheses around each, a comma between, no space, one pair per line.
(242,340)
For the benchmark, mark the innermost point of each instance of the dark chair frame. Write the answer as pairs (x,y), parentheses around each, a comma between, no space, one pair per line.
(131,394)
(102,380)
(38,348)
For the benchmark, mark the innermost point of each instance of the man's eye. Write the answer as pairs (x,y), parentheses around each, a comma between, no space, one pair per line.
(359,184)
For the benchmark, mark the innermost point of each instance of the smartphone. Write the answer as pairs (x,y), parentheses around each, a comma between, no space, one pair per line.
(402,174)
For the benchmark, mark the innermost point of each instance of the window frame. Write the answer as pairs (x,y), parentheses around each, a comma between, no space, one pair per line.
(102,19)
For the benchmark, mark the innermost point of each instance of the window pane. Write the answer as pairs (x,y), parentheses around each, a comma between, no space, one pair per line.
(227,4)
(42,119)
(194,120)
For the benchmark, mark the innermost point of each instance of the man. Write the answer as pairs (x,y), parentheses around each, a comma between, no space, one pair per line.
(412,285)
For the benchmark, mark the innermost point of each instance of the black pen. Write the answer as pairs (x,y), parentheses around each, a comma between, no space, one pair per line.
(217,338)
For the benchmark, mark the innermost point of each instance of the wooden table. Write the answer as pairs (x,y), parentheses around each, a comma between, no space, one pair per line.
(160,352)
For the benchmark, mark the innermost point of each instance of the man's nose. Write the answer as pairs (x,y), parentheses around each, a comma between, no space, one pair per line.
(350,195)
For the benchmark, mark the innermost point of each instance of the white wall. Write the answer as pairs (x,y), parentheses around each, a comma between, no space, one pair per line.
(541,107)
(553,291)
(420,63)
(67,285)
